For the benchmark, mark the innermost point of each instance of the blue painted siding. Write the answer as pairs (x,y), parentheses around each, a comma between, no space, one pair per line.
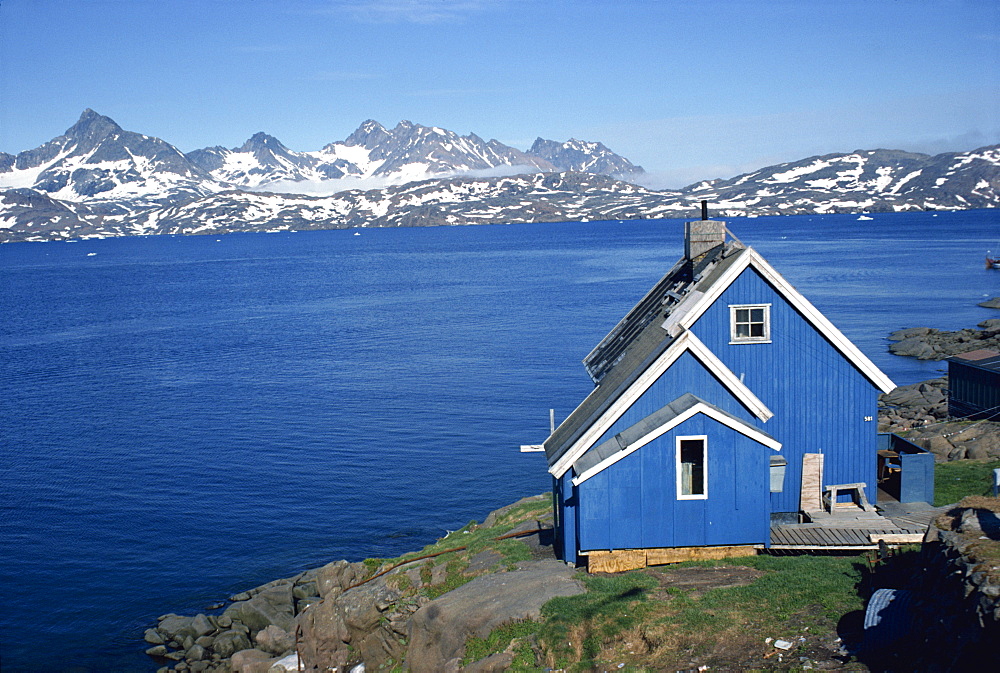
(818,398)
(633,503)
(566,518)
(686,375)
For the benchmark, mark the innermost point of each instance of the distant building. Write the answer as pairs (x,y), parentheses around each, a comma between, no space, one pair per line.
(708,395)
(974,385)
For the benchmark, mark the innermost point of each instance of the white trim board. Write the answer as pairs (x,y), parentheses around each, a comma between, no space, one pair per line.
(699,408)
(686,342)
(750,258)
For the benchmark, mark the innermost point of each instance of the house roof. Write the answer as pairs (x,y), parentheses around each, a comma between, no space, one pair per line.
(660,300)
(980,359)
(606,454)
(621,363)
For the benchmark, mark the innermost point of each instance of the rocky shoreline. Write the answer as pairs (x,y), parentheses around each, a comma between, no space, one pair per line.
(419,609)
(919,412)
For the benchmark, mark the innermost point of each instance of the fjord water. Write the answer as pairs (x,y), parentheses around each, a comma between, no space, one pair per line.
(182,418)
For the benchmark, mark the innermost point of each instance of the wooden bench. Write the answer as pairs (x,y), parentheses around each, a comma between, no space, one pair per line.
(831,494)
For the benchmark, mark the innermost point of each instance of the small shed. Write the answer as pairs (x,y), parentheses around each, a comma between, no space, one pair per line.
(974,385)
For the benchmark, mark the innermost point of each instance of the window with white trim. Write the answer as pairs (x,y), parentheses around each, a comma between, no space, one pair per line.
(750,323)
(692,467)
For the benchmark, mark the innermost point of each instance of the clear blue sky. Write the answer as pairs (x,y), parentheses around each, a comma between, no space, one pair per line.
(688,89)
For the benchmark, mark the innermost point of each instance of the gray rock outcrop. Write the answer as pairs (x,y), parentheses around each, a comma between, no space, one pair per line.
(919,413)
(930,344)
(438,630)
(343,617)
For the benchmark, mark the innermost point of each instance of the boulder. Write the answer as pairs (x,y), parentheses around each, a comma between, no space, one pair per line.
(338,575)
(363,606)
(195,653)
(251,661)
(273,605)
(306,589)
(201,625)
(274,640)
(913,347)
(175,627)
(153,637)
(976,452)
(229,642)
(991,303)
(495,663)
(379,646)
(438,630)
(903,334)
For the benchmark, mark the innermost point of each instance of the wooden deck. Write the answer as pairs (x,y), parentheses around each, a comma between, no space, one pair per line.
(856,530)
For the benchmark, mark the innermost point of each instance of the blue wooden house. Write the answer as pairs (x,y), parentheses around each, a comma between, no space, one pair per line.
(707,396)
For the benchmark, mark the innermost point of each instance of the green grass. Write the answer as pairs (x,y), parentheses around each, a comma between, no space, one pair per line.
(959,478)
(500,639)
(794,594)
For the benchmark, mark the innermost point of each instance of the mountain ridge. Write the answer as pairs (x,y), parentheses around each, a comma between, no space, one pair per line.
(98,179)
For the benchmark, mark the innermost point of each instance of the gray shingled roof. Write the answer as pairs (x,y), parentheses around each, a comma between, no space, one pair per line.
(637,341)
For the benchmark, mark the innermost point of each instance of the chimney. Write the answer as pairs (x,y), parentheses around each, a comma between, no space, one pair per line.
(702,235)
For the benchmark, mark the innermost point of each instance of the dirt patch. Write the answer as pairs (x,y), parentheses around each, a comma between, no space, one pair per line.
(697,581)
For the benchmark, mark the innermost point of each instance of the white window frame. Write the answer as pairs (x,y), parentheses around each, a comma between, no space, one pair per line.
(733,339)
(677,467)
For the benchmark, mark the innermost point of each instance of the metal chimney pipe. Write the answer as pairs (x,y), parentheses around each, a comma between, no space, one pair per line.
(704,209)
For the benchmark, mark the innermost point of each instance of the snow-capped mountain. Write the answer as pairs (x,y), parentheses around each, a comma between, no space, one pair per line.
(871,180)
(586,157)
(99,180)
(98,162)
(405,153)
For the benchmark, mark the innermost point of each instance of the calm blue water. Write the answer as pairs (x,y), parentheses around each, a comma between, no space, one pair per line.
(182,418)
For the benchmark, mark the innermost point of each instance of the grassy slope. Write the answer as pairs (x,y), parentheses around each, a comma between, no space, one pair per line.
(955,480)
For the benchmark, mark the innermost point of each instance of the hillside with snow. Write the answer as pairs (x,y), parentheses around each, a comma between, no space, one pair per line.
(99,180)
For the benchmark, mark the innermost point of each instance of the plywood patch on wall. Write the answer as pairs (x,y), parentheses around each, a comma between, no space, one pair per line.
(623,560)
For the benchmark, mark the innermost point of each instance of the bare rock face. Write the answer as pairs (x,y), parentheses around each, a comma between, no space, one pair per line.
(338,576)
(359,619)
(438,630)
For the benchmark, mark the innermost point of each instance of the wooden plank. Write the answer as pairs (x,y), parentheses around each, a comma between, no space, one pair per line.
(897,538)
(615,561)
(825,548)
(623,560)
(678,554)
(810,498)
